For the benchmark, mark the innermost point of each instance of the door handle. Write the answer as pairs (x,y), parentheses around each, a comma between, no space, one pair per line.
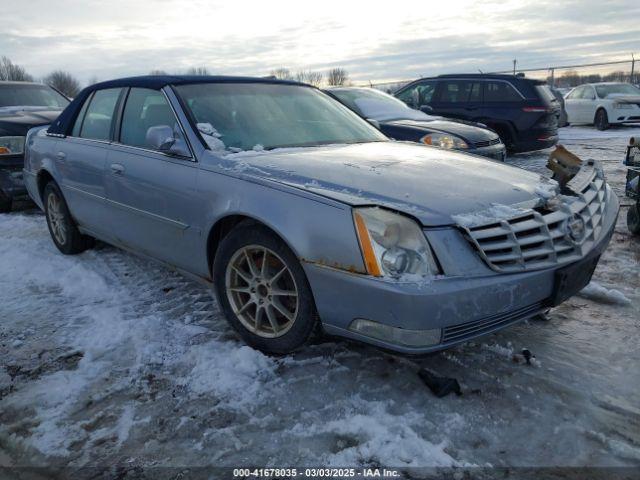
(117,168)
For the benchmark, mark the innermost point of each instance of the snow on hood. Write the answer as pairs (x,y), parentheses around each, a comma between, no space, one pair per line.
(429,184)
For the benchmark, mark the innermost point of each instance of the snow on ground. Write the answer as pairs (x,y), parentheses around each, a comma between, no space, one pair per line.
(110,359)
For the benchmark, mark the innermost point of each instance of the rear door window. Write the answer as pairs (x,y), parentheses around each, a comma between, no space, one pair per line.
(500,92)
(460,91)
(98,118)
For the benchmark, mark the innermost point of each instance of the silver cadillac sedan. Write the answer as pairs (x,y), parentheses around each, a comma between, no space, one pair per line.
(303,217)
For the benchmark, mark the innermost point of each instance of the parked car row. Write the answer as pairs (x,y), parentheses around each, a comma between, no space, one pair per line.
(302,216)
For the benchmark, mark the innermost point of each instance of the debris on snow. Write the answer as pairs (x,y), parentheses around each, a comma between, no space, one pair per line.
(440,386)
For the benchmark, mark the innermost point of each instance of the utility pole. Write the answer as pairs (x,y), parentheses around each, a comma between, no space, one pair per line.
(633,67)
(553,80)
(514,66)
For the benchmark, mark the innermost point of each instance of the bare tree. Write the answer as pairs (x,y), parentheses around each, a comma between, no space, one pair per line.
(93,80)
(198,71)
(310,77)
(337,76)
(282,73)
(157,71)
(63,82)
(11,71)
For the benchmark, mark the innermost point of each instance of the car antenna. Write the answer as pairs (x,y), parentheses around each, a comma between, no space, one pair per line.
(481,71)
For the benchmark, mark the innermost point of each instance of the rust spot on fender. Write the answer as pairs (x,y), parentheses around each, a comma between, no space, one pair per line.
(336,265)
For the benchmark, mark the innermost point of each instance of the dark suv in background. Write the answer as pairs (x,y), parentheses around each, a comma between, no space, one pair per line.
(523,111)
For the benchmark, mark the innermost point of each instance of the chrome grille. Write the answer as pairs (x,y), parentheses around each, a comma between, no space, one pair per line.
(539,237)
(487,143)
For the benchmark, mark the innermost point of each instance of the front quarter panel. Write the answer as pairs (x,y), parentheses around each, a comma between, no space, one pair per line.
(318,230)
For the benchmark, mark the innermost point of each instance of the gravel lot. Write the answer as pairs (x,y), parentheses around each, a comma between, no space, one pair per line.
(107,359)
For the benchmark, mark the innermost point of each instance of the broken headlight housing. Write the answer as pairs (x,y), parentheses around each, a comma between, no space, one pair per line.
(444,140)
(393,245)
(11,145)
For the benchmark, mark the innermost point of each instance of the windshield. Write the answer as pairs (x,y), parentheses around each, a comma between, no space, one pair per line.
(245,116)
(14,95)
(619,88)
(377,105)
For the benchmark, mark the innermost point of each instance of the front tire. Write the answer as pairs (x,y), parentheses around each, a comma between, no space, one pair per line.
(63,229)
(633,219)
(602,120)
(5,203)
(263,290)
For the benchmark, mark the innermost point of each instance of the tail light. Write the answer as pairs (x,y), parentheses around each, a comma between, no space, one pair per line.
(538,109)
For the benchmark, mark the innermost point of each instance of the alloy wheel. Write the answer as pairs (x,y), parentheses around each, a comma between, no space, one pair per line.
(56,218)
(262,291)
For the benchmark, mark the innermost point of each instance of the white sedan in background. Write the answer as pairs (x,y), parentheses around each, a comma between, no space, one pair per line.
(603,104)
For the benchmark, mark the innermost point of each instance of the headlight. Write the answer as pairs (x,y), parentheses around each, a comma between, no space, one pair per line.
(393,245)
(622,106)
(11,145)
(444,140)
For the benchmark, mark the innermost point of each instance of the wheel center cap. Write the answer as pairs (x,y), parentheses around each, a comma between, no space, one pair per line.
(262,291)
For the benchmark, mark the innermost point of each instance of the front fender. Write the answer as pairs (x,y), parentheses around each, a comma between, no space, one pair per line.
(318,230)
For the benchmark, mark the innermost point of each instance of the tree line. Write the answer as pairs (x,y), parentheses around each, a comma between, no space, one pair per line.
(571,78)
(69,85)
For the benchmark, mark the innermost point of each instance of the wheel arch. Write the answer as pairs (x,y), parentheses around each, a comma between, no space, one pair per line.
(43,177)
(224,225)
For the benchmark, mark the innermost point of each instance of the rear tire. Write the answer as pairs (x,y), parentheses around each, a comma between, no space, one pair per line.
(601,120)
(272,312)
(63,229)
(633,219)
(5,203)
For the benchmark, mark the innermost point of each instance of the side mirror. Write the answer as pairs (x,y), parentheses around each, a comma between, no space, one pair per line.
(426,109)
(166,139)
(373,122)
(160,137)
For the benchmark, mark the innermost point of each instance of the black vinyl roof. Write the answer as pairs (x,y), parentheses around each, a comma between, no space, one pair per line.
(64,123)
(159,81)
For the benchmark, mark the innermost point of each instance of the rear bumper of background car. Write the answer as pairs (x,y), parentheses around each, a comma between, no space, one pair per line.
(449,310)
(541,141)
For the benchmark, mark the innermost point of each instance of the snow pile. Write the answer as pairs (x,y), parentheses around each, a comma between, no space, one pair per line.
(212,137)
(369,435)
(596,292)
(493,214)
(547,190)
(232,372)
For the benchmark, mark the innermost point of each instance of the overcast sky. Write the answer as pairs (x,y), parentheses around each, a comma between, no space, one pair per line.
(401,40)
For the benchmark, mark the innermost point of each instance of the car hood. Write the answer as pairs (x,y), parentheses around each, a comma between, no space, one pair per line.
(427,183)
(18,120)
(621,98)
(470,133)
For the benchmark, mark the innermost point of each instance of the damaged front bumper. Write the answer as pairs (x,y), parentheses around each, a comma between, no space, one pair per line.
(473,298)
(11,180)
